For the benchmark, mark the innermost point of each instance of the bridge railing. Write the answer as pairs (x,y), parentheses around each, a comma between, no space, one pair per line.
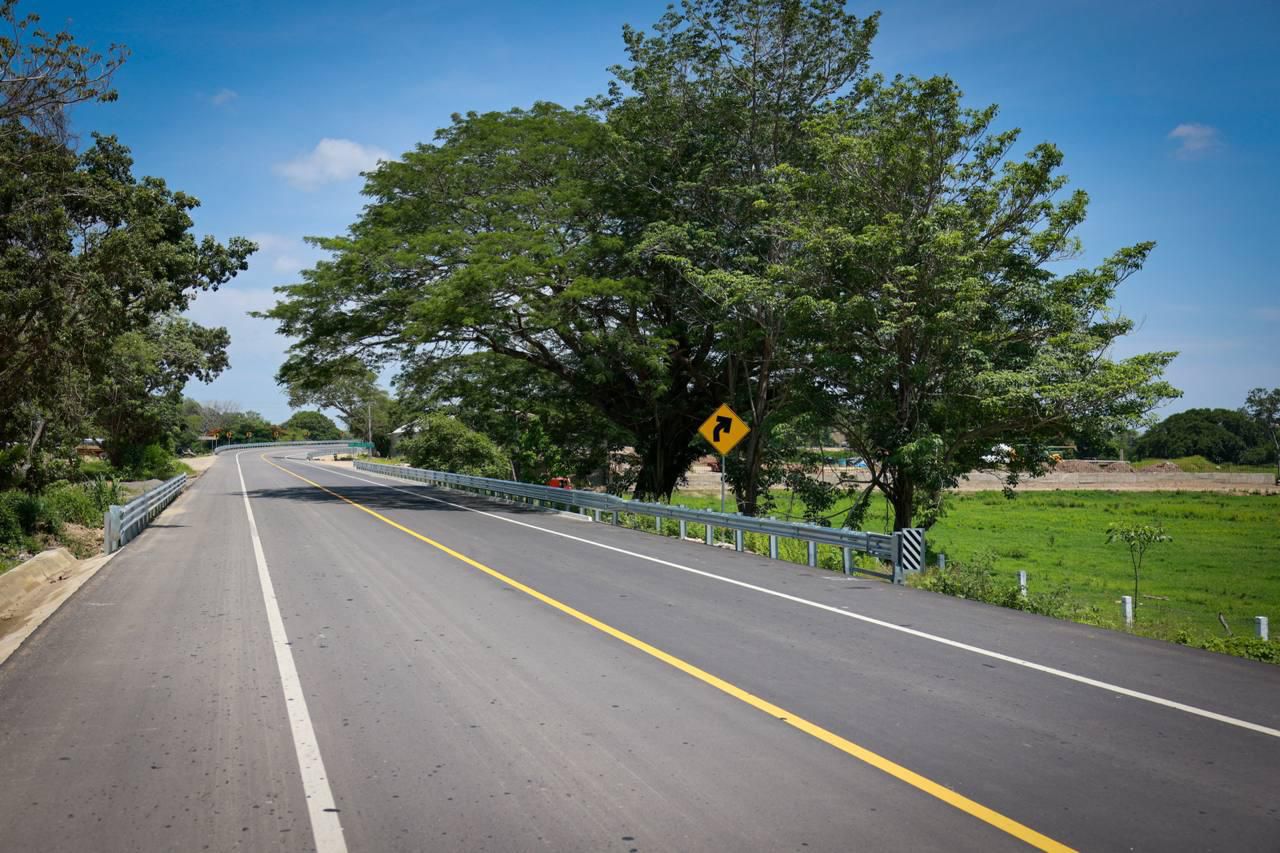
(251,445)
(122,523)
(903,550)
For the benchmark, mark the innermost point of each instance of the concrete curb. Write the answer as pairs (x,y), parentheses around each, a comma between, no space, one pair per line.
(33,591)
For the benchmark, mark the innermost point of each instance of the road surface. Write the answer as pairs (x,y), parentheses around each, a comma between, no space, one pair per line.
(300,657)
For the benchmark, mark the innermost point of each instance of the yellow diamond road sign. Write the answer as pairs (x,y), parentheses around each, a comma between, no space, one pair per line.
(724,429)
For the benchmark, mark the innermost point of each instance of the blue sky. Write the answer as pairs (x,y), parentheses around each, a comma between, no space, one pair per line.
(1167,113)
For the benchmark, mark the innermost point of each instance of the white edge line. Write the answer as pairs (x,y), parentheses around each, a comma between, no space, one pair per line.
(326,828)
(955,644)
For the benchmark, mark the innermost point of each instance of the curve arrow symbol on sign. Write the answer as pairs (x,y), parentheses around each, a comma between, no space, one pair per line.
(723,424)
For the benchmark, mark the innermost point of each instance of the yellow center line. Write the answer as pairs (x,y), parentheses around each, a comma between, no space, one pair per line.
(922,783)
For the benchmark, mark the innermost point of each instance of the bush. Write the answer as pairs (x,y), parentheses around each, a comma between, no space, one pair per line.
(445,444)
(152,462)
(977,580)
(21,516)
(79,503)
(1253,648)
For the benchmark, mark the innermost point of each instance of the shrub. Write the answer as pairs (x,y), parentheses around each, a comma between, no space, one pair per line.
(65,502)
(150,462)
(977,580)
(1253,648)
(445,444)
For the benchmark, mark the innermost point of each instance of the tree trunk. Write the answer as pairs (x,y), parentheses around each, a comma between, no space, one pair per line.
(903,500)
(665,458)
(747,493)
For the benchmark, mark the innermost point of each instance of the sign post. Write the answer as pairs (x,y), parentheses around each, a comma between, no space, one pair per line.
(723,430)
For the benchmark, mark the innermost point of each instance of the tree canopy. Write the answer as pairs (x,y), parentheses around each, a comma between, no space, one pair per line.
(312,426)
(1219,435)
(93,262)
(746,217)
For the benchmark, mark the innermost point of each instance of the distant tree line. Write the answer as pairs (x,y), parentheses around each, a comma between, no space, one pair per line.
(1245,436)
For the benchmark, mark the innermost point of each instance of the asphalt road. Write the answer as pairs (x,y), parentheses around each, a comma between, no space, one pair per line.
(449,679)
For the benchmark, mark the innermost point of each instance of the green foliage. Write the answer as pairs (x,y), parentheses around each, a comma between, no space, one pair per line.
(73,503)
(90,253)
(1253,648)
(600,246)
(443,443)
(139,401)
(940,327)
(43,74)
(1222,561)
(312,426)
(977,580)
(1220,435)
(20,515)
(150,462)
(1264,407)
(534,417)
(1138,538)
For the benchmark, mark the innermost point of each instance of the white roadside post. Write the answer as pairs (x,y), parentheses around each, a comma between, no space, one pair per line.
(1126,603)
(1264,631)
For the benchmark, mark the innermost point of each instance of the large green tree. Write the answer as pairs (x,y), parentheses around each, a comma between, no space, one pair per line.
(942,324)
(1264,407)
(615,248)
(88,252)
(312,426)
(537,420)
(138,401)
(1219,435)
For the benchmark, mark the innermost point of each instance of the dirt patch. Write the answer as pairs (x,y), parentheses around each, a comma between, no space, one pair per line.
(1165,467)
(82,541)
(1076,466)
(1092,466)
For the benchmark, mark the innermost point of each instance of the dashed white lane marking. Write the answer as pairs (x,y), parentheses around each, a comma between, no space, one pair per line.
(326,828)
(924,635)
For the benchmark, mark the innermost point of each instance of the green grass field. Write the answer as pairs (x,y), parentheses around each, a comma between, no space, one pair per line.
(1224,557)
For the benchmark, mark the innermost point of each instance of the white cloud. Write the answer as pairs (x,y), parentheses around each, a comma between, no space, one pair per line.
(331,160)
(223,97)
(282,254)
(1197,139)
(287,264)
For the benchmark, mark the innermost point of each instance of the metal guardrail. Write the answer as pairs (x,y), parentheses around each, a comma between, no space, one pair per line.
(888,548)
(335,443)
(122,523)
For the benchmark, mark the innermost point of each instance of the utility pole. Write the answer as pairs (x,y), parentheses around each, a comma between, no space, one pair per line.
(369,409)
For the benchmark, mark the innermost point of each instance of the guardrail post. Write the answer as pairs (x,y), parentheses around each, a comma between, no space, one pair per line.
(710,534)
(773,547)
(813,554)
(111,521)
(847,554)
(615,518)
(737,540)
(1264,631)
(684,528)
